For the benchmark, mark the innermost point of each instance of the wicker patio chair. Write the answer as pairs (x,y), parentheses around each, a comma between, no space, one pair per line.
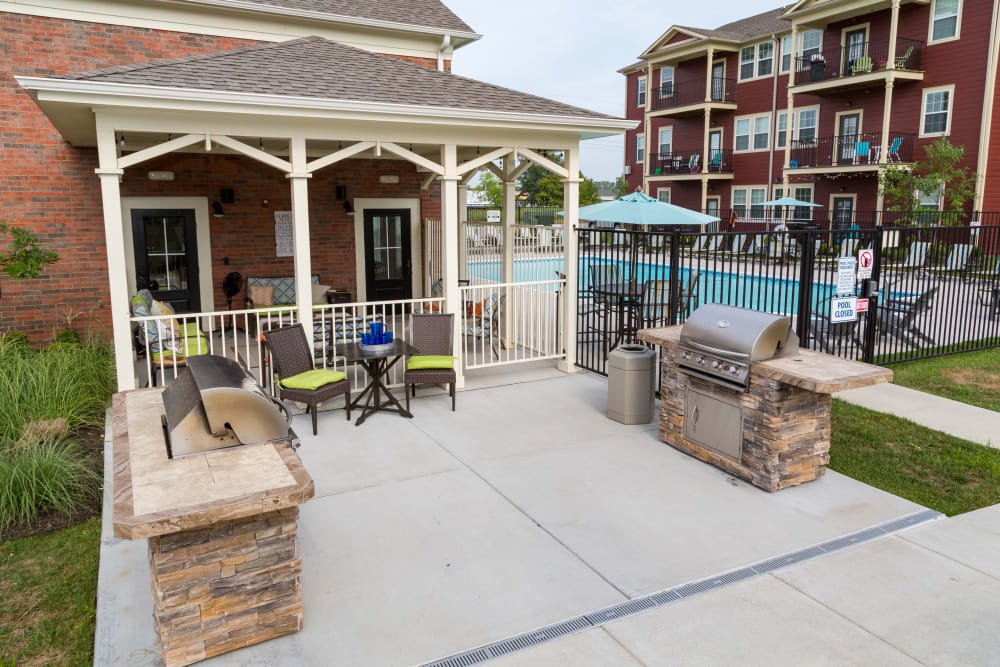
(291,356)
(431,335)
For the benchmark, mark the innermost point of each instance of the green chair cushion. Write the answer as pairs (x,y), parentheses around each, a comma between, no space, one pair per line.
(422,362)
(313,379)
(193,346)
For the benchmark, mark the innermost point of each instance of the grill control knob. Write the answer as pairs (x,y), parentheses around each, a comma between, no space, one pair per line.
(715,364)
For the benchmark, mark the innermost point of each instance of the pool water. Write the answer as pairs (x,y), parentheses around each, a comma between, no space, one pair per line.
(766,293)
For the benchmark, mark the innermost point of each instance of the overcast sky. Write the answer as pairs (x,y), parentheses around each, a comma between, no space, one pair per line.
(571,50)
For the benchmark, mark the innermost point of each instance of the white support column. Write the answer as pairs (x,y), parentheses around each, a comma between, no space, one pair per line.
(509,217)
(571,261)
(463,241)
(886,117)
(893,34)
(449,231)
(114,235)
(300,228)
(705,157)
(789,119)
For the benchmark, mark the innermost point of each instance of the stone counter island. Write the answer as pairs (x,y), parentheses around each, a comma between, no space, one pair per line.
(221,525)
(785,413)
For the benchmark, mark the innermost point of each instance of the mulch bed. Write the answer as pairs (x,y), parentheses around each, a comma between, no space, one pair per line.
(93,442)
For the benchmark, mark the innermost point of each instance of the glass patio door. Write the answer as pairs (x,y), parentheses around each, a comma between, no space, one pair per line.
(843,212)
(166,256)
(718,82)
(855,42)
(847,137)
(388,265)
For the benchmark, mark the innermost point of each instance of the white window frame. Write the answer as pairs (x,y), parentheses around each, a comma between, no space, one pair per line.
(802,39)
(640,148)
(640,92)
(766,118)
(950,88)
(664,70)
(755,48)
(753,127)
(718,202)
(921,206)
(781,134)
(797,125)
(660,191)
(749,192)
(786,40)
(930,25)
(668,129)
(795,195)
(770,58)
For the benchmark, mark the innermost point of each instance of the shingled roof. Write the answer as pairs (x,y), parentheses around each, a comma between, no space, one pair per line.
(423,13)
(314,67)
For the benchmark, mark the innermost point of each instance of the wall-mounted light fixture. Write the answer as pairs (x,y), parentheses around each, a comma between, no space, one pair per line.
(161,175)
(348,206)
(217,209)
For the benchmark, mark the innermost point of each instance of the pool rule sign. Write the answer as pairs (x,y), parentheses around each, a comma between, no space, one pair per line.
(844,306)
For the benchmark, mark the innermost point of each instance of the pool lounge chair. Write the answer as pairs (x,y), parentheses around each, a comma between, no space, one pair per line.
(715,163)
(849,247)
(893,153)
(862,149)
(915,258)
(897,317)
(958,258)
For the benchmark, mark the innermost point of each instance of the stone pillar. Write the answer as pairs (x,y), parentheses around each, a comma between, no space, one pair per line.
(300,226)
(449,232)
(230,585)
(571,258)
(114,235)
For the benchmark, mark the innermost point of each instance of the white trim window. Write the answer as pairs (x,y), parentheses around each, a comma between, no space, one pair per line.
(765,58)
(762,132)
(945,17)
(640,148)
(667,80)
(786,53)
(640,92)
(802,193)
(741,140)
(781,131)
(804,127)
(929,201)
(810,43)
(935,115)
(663,195)
(748,56)
(753,195)
(666,141)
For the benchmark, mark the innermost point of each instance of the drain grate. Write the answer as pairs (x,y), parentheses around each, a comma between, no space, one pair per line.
(645,603)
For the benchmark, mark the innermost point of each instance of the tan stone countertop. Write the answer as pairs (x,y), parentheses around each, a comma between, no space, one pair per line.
(809,370)
(156,495)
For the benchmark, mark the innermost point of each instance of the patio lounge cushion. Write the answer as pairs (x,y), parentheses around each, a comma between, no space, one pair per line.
(284,288)
(261,295)
(190,346)
(313,379)
(422,362)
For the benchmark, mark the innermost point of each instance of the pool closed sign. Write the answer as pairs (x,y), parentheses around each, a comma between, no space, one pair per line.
(844,309)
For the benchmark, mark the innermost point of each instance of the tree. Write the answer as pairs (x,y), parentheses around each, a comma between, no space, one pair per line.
(541,187)
(590,193)
(491,189)
(621,187)
(939,172)
(25,257)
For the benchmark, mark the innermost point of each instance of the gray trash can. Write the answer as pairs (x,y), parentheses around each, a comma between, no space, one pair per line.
(631,371)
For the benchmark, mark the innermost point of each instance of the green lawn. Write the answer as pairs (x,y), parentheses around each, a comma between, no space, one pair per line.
(48,591)
(928,467)
(970,377)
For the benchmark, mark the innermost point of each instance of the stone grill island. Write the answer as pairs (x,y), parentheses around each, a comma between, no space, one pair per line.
(784,415)
(221,525)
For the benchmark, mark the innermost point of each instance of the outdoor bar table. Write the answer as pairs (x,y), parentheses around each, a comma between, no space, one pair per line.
(377,364)
(627,296)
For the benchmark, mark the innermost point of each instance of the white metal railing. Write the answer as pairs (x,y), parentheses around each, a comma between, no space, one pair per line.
(167,340)
(509,323)
(534,246)
(433,251)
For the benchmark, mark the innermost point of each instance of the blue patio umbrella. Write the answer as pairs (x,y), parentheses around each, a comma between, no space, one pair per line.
(786,202)
(640,209)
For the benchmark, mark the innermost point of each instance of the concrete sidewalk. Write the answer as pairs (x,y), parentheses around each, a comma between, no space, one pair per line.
(941,414)
(923,596)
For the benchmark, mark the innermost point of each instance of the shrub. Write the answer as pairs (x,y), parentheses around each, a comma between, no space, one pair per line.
(62,381)
(52,474)
(67,337)
(14,341)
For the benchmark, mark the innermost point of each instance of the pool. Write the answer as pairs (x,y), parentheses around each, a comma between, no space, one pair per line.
(767,293)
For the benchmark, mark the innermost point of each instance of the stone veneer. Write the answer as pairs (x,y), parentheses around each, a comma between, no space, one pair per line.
(786,430)
(227,586)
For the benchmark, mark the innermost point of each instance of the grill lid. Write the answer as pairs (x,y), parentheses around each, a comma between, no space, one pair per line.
(739,333)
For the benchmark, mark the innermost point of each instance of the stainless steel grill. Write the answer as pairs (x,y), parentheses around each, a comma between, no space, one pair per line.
(718,343)
(214,404)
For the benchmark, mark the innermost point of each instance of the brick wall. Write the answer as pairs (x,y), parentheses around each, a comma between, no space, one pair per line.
(49,186)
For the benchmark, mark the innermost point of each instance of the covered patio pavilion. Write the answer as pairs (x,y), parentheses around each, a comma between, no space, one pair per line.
(299,108)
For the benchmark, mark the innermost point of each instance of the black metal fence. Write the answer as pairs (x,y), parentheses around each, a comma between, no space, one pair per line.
(933,290)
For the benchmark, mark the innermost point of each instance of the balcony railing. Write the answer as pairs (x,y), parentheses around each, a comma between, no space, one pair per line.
(671,95)
(690,162)
(857,59)
(851,150)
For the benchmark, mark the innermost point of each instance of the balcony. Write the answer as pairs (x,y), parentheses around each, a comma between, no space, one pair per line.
(687,165)
(850,152)
(688,97)
(857,66)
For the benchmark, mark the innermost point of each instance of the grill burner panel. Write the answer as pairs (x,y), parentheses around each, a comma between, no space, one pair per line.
(214,404)
(718,343)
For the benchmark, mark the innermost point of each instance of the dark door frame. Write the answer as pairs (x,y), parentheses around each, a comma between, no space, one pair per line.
(406,286)
(190,247)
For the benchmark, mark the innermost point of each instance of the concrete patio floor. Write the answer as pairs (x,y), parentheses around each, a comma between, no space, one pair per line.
(432,536)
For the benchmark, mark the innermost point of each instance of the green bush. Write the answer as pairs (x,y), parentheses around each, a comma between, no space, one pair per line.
(67,337)
(62,381)
(14,342)
(52,474)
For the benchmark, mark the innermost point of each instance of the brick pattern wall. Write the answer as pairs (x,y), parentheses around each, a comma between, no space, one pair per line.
(49,186)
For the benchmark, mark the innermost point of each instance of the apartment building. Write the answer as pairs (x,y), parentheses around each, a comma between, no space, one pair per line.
(810,100)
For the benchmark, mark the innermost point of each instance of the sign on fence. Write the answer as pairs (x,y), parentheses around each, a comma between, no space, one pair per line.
(844,309)
(493,215)
(862,306)
(866,260)
(845,275)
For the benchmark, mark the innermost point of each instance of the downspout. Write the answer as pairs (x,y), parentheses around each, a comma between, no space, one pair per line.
(445,45)
(776,59)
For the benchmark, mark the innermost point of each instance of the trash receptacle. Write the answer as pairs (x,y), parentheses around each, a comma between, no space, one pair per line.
(631,370)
